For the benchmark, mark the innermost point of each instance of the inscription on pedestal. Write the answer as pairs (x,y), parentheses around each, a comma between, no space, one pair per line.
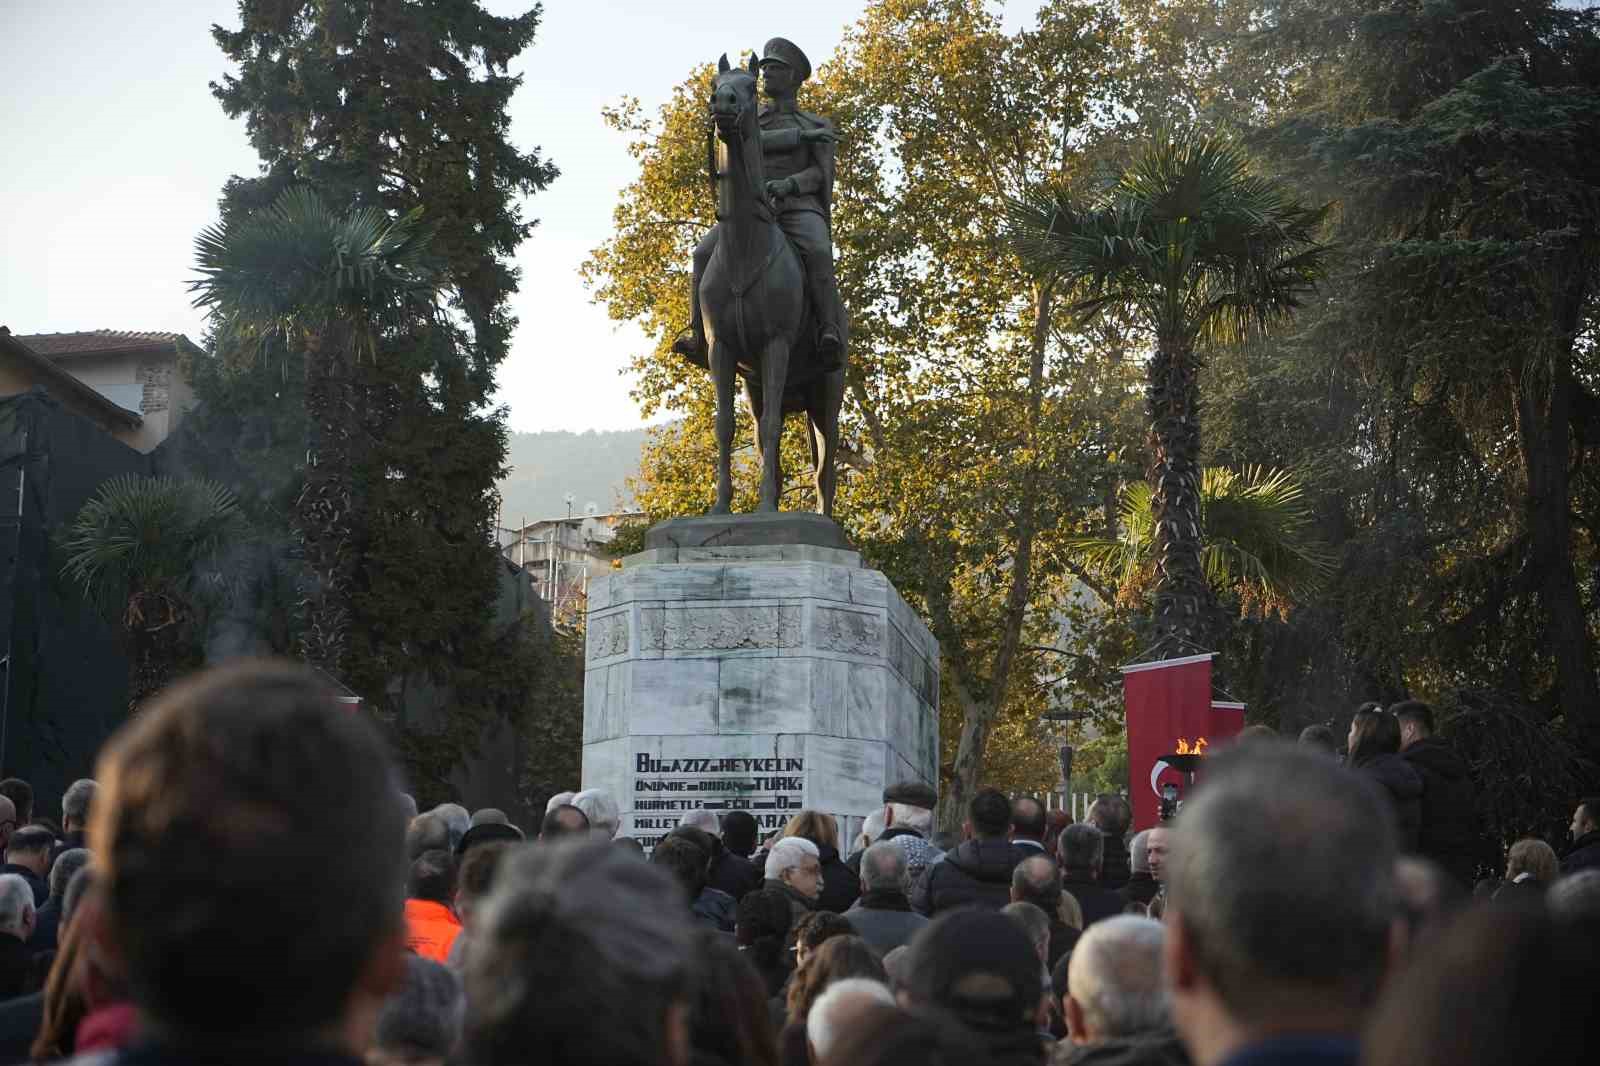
(771,789)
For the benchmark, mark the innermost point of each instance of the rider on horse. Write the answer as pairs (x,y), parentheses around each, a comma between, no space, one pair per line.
(797,152)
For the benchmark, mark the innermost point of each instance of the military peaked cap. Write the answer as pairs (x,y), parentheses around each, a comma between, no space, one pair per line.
(788,53)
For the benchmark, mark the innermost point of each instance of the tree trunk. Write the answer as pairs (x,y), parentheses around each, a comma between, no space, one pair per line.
(1173,399)
(980,711)
(1544,398)
(324,511)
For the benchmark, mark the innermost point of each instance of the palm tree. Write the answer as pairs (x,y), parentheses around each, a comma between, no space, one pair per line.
(144,551)
(1257,535)
(332,286)
(1197,248)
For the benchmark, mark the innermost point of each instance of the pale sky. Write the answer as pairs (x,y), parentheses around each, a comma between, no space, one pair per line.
(116,153)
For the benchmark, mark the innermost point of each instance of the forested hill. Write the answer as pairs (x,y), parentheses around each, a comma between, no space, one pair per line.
(593,466)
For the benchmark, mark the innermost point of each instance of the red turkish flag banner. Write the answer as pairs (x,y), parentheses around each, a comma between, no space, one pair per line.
(1165,702)
(1227,721)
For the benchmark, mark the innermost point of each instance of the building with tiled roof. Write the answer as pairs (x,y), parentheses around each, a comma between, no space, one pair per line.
(142,374)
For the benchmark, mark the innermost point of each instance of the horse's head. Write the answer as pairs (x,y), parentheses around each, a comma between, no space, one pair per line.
(733,95)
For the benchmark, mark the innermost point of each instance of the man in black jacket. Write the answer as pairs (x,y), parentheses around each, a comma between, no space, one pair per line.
(978,873)
(1112,815)
(1449,832)
(1081,849)
(1585,851)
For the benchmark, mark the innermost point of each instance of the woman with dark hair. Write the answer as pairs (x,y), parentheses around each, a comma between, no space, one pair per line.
(1375,752)
(761,926)
(729,1023)
(840,885)
(837,958)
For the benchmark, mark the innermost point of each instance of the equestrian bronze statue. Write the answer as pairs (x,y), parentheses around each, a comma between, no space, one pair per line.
(765,303)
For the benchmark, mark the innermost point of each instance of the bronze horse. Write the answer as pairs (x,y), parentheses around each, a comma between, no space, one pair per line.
(758,317)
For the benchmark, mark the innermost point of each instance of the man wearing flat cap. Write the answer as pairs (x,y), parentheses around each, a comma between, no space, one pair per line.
(797,154)
(908,822)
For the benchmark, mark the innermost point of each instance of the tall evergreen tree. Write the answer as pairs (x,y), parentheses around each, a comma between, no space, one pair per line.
(400,105)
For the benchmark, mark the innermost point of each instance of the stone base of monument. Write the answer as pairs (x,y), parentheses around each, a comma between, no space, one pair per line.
(751,663)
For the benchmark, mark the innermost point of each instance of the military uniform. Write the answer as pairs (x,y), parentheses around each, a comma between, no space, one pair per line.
(805,216)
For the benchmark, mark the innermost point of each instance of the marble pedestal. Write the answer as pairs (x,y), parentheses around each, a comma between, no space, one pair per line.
(766,677)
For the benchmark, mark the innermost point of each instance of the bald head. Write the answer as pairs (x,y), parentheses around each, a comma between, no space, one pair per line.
(841,1005)
(1037,880)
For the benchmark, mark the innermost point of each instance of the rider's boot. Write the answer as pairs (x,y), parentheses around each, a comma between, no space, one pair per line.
(691,343)
(830,336)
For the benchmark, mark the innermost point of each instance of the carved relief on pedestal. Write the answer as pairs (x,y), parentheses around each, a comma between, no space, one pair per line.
(849,632)
(608,636)
(720,628)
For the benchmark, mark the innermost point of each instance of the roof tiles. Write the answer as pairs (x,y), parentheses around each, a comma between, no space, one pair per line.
(86,342)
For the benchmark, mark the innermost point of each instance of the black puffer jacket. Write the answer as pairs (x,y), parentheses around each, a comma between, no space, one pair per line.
(1585,854)
(976,873)
(1449,831)
(1403,786)
(1116,867)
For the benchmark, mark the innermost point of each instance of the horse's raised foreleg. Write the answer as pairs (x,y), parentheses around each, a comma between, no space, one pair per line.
(721,360)
(774,371)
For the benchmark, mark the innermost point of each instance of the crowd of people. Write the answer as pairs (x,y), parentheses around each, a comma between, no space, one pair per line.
(245,881)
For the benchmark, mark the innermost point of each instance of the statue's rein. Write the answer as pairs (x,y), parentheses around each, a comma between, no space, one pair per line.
(750,163)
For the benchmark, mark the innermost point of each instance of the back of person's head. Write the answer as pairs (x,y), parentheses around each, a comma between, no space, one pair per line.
(816,928)
(989,813)
(432,877)
(696,836)
(77,803)
(703,820)
(563,820)
(891,1036)
(20,793)
(1115,979)
(685,861)
(408,805)
(629,846)
(558,800)
(1377,733)
(1111,814)
(1319,737)
(457,821)
(1037,880)
(67,864)
(1575,897)
(739,832)
(821,829)
(872,827)
(979,967)
(1028,819)
(838,1007)
(581,954)
(427,832)
(729,1020)
(1426,892)
(475,875)
(1416,714)
(894,964)
(16,906)
(490,816)
(1532,856)
(883,868)
(229,783)
(762,924)
(419,1023)
(31,841)
(1139,852)
(73,894)
(600,807)
(1496,985)
(840,956)
(1082,848)
(1281,884)
(1034,923)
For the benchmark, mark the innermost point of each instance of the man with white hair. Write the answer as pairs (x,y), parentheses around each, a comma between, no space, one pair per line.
(560,799)
(75,805)
(908,820)
(16,926)
(1114,987)
(601,810)
(794,867)
(840,1006)
(1142,886)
